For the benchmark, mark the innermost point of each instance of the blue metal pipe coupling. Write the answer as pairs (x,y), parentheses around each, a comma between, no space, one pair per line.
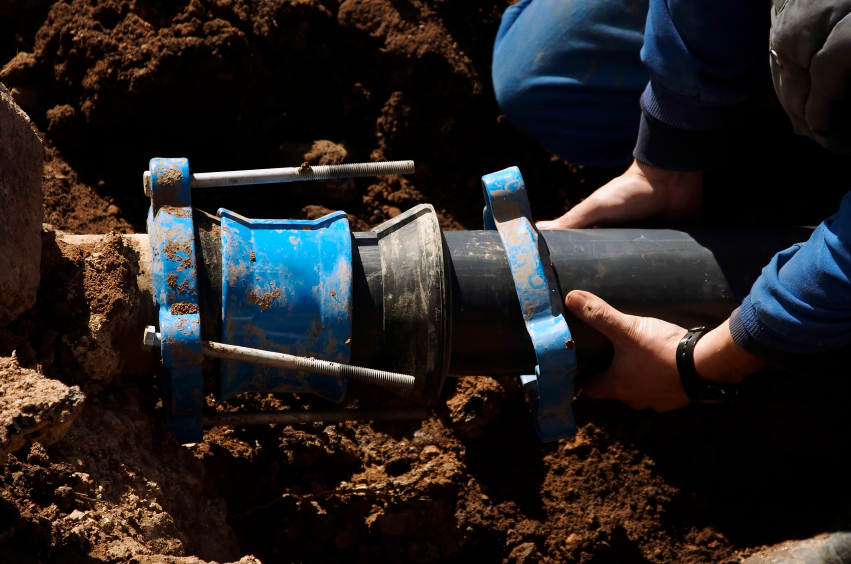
(284,286)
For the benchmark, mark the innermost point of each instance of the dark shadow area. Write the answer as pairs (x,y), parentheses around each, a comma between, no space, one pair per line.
(763,470)
(509,462)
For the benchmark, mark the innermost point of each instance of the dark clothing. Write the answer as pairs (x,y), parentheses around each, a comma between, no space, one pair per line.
(812,68)
(567,73)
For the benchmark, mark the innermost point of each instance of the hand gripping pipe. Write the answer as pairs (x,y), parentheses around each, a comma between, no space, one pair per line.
(409,300)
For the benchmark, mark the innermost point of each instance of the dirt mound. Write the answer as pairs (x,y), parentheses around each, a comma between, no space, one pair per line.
(117,486)
(235,84)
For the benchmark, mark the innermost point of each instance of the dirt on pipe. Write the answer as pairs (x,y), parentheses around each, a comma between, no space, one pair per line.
(236,84)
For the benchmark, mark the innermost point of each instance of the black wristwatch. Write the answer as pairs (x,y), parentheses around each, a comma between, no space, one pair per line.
(696,389)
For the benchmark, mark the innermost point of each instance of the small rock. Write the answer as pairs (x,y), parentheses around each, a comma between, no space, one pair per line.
(34,408)
(76,515)
(430,452)
(526,553)
(20,69)
(64,497)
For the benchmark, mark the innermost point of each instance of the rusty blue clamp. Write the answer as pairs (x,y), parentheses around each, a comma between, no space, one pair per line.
(286,287)
(550,390)
(175,288)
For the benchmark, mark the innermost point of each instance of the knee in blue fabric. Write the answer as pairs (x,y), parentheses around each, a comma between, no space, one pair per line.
(569,75)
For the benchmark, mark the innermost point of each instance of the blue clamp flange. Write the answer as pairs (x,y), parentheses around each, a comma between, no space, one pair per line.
(550,389)
(175,288)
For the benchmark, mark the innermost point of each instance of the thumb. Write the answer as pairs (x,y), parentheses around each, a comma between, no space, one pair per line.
(592,310)
(574,219)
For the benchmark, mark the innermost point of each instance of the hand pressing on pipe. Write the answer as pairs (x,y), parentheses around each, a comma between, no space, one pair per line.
(642,192)
(644,372)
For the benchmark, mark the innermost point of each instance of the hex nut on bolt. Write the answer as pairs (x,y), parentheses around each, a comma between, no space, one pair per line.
(150,338)
(146,183)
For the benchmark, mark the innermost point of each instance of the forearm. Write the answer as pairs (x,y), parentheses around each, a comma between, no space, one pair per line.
(718,358)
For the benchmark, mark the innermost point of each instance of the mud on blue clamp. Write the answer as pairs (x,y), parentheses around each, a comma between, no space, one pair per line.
(550,389)
(175,289)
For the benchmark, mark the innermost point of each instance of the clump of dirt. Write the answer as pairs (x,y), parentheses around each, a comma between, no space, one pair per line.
(117,487)
(88,293)
(476,403)
(73,205)
(107,280)
(265,300)
(33,408)
(183,308)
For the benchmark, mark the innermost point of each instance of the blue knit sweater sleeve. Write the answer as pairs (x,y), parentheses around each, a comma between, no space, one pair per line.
(705,57)
(801,303)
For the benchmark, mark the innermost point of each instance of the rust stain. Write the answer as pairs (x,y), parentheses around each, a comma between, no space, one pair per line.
(317,328)
(171,280)
(252,257)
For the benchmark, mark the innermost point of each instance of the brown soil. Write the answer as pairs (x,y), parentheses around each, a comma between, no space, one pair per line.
(235,84)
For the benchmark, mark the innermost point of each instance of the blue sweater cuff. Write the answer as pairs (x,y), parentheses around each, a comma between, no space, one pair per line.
(686,112)
(755,336)
(670,148)
(740,333)
(678,132)
(804,364)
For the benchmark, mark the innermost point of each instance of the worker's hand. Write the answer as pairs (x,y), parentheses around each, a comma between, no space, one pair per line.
(642,192)
(644,371)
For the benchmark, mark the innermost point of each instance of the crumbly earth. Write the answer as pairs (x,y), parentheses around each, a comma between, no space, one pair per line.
(235,84)
(87,296)
(33,408)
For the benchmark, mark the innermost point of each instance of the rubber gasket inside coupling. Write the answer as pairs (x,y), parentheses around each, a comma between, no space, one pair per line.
(417,301)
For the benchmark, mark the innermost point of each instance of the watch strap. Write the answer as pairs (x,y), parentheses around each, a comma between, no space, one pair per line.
(697,389)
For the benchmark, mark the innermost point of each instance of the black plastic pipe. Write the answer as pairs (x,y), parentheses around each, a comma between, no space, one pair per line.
(690,278)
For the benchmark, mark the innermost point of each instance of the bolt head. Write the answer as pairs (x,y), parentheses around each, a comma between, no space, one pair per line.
(150,338)
(146,183)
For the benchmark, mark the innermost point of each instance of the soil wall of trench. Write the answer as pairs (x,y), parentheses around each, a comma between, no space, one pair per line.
(235,84)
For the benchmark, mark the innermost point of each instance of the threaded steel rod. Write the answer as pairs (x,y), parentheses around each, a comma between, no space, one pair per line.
(290,174)
(302,364)
(151,339)
(299,417)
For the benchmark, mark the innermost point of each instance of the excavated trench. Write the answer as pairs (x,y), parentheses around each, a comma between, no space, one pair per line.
(235,84)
